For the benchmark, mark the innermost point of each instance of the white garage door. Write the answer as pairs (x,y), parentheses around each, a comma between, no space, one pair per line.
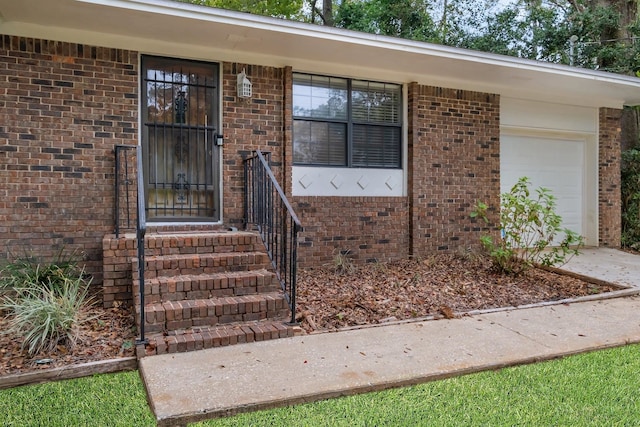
(557,164)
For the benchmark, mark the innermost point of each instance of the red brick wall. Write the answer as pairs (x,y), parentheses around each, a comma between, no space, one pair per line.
(454,161)
(63,107)
(609,198)
(118,280)
(367,229)
(288,131)
(249,124)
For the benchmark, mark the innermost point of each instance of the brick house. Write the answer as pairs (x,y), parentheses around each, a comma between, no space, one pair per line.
(382,145)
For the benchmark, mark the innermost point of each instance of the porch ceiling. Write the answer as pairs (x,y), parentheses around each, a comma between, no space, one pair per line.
(167,27)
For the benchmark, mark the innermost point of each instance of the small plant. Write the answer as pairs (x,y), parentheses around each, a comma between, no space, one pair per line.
(27,272)
(44,302)
(529,226)
(342,263)
(48,316)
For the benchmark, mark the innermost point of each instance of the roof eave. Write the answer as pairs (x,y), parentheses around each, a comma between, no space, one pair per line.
(157,26)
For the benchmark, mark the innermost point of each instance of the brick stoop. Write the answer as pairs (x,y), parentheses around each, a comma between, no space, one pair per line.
(208,289)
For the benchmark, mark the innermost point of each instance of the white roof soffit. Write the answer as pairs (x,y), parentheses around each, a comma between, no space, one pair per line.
(172,28)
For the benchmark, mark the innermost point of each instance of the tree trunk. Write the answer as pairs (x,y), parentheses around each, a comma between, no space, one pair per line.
(627,10)
(327,13)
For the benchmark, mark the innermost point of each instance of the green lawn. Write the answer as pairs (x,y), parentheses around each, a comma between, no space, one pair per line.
(101,400)
(595,389)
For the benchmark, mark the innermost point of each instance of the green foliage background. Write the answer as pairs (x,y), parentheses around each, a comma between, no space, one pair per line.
(631,199)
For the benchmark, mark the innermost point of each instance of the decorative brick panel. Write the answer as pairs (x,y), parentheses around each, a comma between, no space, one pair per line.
(454,162)
(609,198)
(249,124)
(63,108)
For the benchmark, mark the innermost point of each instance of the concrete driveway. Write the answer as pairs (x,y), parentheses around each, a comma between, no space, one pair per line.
(610,265)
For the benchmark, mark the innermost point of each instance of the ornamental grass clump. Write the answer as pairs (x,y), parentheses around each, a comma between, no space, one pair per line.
(27,272)
(530,230)
(44,304)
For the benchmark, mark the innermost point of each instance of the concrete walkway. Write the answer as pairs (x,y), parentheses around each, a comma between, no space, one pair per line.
(610,265)
(188,387)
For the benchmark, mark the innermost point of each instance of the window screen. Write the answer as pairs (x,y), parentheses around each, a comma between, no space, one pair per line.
(344,122)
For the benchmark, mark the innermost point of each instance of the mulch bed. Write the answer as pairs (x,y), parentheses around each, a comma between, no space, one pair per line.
(109,336)
(440,286)
(330,299)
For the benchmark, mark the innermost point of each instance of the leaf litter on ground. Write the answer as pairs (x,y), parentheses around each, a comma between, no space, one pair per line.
(443,285)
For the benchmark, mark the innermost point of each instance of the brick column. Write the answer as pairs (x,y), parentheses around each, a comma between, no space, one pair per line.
(117,282)
(249,124)
(454,162)
(609,198)
(287,162)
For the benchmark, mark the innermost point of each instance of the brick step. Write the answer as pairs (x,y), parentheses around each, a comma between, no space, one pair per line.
(217,336)
(166,240)
(189,264)
(203,286)
(185,314)
(173,243)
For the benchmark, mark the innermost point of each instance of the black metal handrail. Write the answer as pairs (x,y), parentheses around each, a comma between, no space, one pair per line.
(267,208)
(125,175)
(141,229)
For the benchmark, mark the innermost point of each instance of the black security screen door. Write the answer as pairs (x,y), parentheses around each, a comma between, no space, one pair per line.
(181,158)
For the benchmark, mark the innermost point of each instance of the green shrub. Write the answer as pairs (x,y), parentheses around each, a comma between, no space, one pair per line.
(631,199)
(48,316)
(529,226)
(28,272)
(44,302)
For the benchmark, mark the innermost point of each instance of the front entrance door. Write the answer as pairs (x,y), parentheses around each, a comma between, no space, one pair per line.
(179,140)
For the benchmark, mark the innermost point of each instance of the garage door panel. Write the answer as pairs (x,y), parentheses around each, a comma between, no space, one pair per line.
(554,163)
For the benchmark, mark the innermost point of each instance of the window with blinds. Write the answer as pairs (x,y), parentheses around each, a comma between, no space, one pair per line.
(346,122)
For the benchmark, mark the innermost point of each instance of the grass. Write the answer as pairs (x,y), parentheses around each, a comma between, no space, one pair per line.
(594,389)
(101,400)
